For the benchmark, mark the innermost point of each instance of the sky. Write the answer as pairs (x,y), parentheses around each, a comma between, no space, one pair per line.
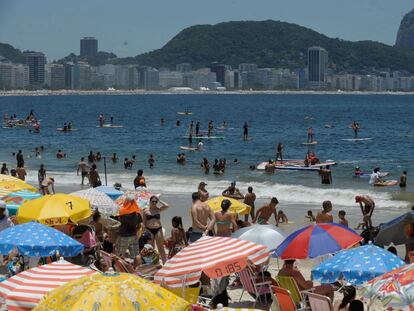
(131,27)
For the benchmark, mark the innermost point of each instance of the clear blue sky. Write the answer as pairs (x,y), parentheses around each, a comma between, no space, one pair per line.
(131,27)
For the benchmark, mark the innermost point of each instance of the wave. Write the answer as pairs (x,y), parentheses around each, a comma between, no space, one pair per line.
(287,194)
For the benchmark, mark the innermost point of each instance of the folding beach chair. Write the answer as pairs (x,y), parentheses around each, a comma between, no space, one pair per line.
(319,302)
(289,283)
(282,300)
(254,288)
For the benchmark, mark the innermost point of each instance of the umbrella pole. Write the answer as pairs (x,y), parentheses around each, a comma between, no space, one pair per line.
(106,179)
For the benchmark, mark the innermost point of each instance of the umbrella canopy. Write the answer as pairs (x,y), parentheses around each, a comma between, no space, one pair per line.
(110,192)
(142,197)
(34,239)
(9,178)
(15,199)
(395,288)
(98,200)
(236,207)
(394,230)
(112,291)
(23,291)
(317,240)
(13,186)
(357,265)
(267,235)
(215,256)
(55,209)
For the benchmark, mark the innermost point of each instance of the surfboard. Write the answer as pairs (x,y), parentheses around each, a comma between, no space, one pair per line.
(296,165)
(204,137)
(110,126)
(312,143)
(357,139)
(60,129)
(182,113)
(387,183)
(188,148)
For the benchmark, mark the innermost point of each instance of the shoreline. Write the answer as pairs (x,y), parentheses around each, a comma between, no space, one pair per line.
(192,92)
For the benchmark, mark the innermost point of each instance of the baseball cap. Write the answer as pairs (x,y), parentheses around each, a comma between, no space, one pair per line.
(202,184)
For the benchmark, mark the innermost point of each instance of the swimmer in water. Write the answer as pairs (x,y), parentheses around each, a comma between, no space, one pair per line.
(101,119)
(355,127)
(245,131)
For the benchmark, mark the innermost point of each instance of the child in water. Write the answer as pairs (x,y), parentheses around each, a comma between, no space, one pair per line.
(281,217)
(310,216)
(342,220)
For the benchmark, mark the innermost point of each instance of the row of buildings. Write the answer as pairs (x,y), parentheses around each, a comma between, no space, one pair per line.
(35,73)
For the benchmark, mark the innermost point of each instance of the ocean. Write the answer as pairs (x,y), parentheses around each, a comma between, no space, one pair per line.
(272,118)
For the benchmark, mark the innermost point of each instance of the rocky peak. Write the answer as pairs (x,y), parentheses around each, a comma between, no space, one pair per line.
(405,36)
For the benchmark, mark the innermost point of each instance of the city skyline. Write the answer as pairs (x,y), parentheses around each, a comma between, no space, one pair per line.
(131,32)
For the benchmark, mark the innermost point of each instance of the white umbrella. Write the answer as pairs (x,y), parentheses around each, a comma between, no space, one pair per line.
(98,200)
(267,235)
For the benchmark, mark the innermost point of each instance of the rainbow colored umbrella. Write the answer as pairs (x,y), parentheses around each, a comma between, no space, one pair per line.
(14,200)
(395,289)
(317,240)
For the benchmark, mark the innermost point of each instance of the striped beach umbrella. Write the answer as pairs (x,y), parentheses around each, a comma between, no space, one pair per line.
(317,240)
(13,200)
(215,256)
(24,290)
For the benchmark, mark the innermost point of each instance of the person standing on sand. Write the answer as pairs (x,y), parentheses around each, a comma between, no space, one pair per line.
(94,179)
(202,191)
(325,215)
(41,175)
(326,175)
(403,180)
(263,214)
(225,221)
(21,172)
(249,199)
(367,205)
(83,168)
(245,131)
(44,186)
(201,215)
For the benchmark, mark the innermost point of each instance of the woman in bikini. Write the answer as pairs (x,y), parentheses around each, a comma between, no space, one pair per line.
(178,236)
(225,221)
(152,222)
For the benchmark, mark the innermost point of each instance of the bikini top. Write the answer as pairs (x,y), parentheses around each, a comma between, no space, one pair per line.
(156,216)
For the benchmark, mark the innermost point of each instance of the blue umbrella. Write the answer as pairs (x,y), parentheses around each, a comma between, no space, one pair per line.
(34,239)
(15,199)
(357,265)
(110,192)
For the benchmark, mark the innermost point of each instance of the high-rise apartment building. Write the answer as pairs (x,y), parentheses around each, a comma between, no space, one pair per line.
(317,67)
(88,46)
(36,62)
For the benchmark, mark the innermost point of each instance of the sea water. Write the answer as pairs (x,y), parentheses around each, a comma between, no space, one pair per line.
(387,119)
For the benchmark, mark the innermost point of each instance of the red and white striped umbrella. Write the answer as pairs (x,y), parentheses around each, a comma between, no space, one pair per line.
(23,291)
(215,256)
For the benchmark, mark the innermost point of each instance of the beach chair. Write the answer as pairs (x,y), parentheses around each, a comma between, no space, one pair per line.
(119,265)
(289,283)
(319,302)
(254,288)
(282,300)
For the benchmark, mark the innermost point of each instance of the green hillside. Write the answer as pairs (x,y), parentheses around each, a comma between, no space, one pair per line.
(11,53)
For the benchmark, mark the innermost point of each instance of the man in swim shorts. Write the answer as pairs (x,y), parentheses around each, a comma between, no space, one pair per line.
(201,215)
(264,213)
(83,168)
(367,205)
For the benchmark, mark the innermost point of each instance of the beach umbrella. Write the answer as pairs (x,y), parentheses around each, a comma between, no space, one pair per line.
(394,231)
(142,197)
(317,240)
(13,186)
(9,178)
(23,291)
(395,289)
(112,291)
(14,200)
(267,235)
(356,265)
(34,239)
(215,256)
(237,207)
(55,209)
(110,192)
(98,200)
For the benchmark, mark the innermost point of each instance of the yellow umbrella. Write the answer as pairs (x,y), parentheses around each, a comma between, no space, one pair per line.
(111,291)
(236,207)
(17,185)
(55,209)
(9,178)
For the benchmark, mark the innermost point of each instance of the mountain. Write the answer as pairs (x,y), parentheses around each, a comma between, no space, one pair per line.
(270,44)
(12,54)
(405,36)
(101,58)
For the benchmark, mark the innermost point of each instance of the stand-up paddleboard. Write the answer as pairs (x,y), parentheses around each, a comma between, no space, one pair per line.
(184,113)
(357,139)
(312,143)
(204,137)
(188,148)
(296,165)
(113,126)
(367,175)
(60,129)
(387,183)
